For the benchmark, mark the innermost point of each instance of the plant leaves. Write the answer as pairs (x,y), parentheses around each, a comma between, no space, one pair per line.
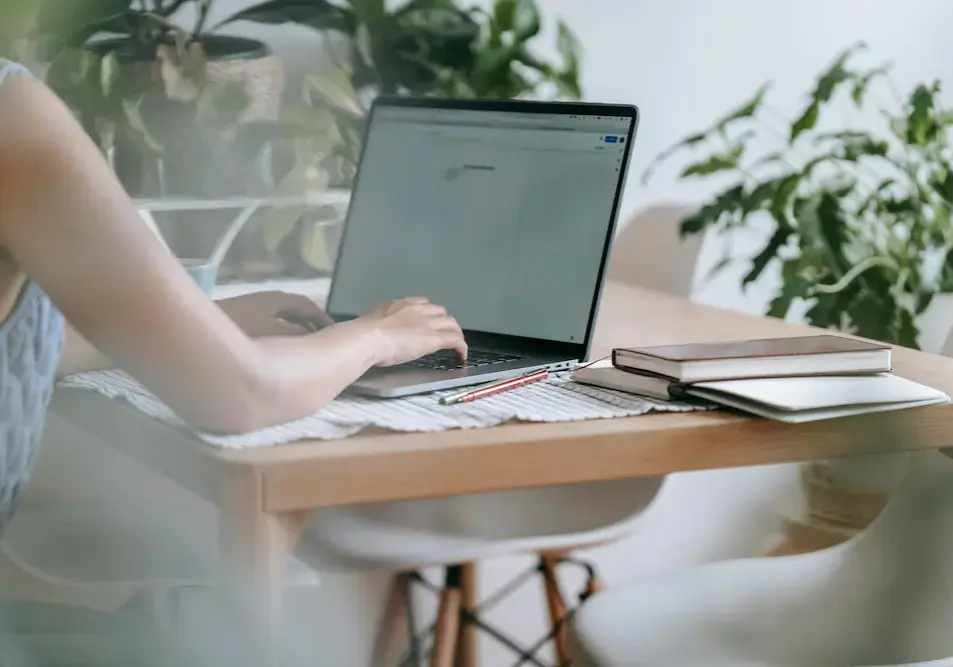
(503,16)
(691,140)
(944,186)
(806,121)
(317,14)
(719,266)
(746,110)
(716,163)
(793,286)
(861,84)
(921,128)
(769,252)
(832,224)
(526,20)
(784,197)
(828,309)
(728,202)
(762,194)
(824,90)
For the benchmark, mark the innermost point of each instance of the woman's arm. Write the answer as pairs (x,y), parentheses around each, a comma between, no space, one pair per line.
(68,223)
(259,314)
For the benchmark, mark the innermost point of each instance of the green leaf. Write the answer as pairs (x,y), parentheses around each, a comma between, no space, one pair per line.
(503,17)
(861,85)
(833,229)
(851,145)
(806,121)
(728,202)
(923,301)
(828,309)
(715,164)
(526,20)
(54,20)
(908,334)
(769,252)
(719,266)
(746,110)
(944,186)
(783,199)
(921,128)
(317,14)
(762,194)
(770,158)
(792,287)
(836,74)
(857,147)
(691,140)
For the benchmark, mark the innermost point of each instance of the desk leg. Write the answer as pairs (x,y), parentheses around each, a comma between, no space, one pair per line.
(255,548)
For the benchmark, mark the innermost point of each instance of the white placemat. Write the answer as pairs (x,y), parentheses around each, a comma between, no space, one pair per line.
(554,400)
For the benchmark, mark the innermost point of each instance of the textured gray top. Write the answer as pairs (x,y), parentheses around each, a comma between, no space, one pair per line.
(30,342)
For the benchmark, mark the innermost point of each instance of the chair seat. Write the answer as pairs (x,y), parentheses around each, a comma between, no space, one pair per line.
(99,542)
(468,528)
(883,598)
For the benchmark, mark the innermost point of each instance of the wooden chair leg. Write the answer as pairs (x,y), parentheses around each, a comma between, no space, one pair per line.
(467,636)
(392,631)
(444,649)
(594,586)
(557,608)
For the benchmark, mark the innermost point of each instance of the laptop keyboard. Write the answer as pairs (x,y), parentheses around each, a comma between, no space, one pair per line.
(447,360)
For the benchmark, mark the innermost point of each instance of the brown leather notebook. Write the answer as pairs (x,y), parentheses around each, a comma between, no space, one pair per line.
(769,357)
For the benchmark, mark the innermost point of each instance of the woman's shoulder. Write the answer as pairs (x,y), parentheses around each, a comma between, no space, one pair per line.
(10,68)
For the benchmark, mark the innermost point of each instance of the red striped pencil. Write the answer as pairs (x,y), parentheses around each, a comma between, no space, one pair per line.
(495,388)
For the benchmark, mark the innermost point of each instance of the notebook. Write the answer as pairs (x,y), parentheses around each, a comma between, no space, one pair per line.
(603,374)
(769,357)
(804,399)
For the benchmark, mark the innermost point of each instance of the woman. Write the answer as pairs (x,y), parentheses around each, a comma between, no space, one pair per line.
(71,242)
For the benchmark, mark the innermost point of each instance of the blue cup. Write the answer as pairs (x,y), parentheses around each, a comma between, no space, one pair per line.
(203,272)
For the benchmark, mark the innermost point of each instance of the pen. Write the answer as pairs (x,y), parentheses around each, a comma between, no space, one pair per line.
(495,388)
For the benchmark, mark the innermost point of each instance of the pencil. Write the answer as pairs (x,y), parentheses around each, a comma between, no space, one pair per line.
(495,388)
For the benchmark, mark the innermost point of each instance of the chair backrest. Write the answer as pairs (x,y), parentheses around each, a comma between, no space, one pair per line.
(648,251)
(941,318)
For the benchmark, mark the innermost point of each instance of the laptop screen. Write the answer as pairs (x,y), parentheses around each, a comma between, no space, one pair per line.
(502,217)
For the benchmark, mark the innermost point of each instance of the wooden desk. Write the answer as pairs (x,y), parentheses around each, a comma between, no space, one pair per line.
(266,494)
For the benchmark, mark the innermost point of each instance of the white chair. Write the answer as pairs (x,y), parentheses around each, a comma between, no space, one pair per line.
(883,598)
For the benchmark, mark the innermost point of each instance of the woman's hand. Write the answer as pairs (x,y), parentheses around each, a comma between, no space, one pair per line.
(407,329)
(263,314)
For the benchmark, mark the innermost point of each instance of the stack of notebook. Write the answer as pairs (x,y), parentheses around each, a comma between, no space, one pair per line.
(788,379)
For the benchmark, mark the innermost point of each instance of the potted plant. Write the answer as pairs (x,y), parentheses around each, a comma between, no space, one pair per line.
(432,47)
(861,219)
(860,226)
(180,104)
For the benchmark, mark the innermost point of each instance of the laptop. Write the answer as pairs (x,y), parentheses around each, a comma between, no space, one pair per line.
(503,212)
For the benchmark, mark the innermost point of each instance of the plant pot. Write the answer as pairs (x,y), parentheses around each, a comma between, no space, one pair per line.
(229,59)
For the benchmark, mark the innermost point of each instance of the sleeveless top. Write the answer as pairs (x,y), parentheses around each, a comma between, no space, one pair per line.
(31,337)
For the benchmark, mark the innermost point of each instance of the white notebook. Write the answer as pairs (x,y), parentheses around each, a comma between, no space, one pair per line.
(804,399)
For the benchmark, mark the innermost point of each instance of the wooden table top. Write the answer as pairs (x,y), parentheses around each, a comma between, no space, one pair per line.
(377,466)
